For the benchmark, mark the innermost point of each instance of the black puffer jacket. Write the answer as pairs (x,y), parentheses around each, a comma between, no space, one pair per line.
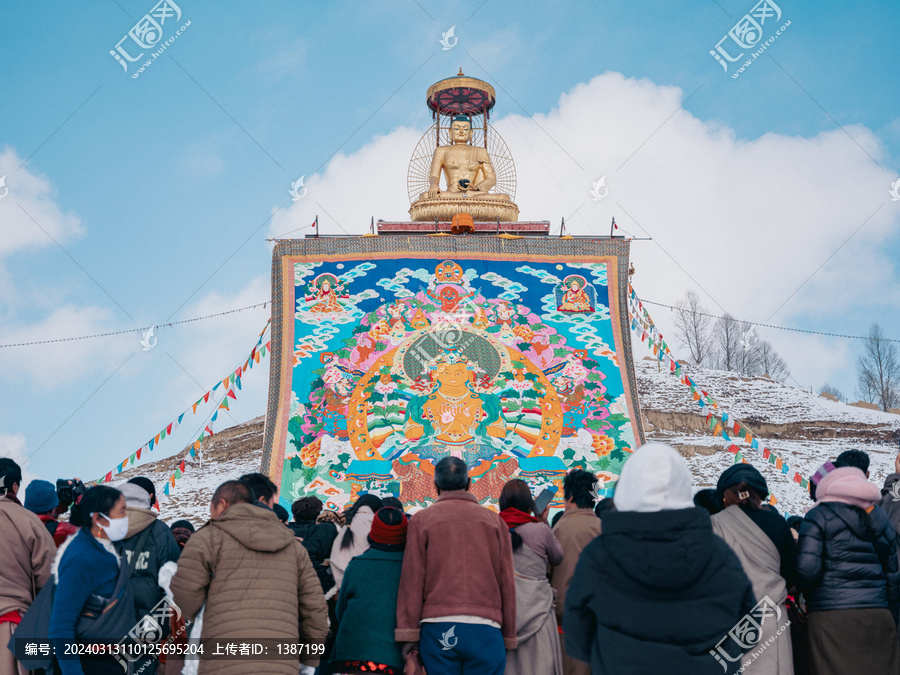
(845,563)
(656,592)
(318,542)
(890,503)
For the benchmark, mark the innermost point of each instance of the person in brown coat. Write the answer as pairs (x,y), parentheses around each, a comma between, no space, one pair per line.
(255,579)
(577,528)
(457,595)
(26,557)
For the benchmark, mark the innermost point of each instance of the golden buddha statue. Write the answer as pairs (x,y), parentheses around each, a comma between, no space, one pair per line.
(466,168)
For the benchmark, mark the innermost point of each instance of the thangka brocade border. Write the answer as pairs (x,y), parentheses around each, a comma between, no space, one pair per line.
(615,252)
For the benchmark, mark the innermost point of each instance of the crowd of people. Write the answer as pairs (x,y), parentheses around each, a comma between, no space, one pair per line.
(654,579)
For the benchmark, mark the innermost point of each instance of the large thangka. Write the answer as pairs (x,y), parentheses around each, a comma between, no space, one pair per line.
(394,352)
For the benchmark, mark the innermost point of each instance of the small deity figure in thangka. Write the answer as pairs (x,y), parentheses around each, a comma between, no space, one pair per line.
(449,286)
(324,291)
(449,298)
(505,313)
(574,295)
(396,313)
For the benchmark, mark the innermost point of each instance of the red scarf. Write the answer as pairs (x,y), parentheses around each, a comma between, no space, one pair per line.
(513,517)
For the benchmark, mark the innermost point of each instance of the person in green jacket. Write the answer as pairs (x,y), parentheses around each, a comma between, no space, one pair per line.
(367,602)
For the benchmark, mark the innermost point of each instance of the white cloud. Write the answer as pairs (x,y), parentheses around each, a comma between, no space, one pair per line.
(13,447)
(750,220)
(30,219)
(52,365)
(28,213)
(370,182)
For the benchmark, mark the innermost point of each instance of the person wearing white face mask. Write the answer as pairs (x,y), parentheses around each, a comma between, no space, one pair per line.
(87,570)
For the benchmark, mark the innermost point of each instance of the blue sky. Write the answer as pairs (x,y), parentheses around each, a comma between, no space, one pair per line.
(150,185)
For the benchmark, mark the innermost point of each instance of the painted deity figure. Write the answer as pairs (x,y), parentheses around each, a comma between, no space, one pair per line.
(449,287)
(395,311)
(505,313)
(453,418)
(574,296)
(323,292)
(449,298)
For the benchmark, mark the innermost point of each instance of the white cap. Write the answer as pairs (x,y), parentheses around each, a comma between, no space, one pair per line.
(135,496)
(654,478)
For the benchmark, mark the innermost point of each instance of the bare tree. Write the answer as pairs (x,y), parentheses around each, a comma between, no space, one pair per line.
(692,327)
(770,363)
(748,360)
(834,391)
(726,337)
(878,370)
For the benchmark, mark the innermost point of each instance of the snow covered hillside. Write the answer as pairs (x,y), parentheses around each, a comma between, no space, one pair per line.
(225,456)
(802,428)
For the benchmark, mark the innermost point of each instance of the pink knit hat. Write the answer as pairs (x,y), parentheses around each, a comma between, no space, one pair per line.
(848,485)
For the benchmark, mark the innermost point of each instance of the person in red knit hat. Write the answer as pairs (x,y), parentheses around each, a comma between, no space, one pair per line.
(367,603)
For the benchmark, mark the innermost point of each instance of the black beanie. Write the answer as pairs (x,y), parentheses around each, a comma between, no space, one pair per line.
(741,473)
